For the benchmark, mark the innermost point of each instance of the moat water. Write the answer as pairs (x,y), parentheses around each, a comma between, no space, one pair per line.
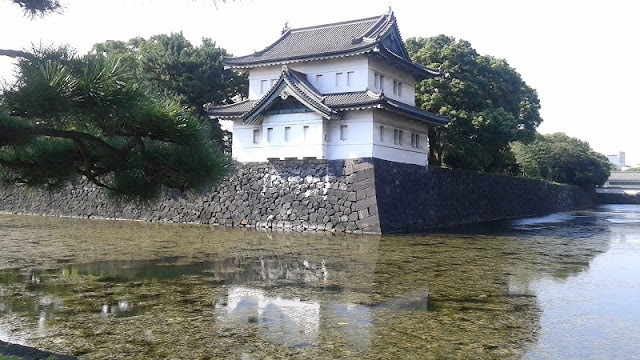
(564,286)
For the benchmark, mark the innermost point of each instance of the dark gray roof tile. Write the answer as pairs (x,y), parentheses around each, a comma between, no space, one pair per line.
(341,39)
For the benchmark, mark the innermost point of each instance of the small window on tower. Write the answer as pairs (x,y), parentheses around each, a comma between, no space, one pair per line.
(269,134)
(287,133)
(305,132)
(256,136)
(343,132)
(263,86)
(339,79)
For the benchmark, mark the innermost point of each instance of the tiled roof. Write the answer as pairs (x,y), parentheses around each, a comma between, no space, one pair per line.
(231,111)
(330,106)
(355,37)
(369,100)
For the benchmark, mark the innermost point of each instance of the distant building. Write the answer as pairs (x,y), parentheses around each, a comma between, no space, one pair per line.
(619,161)
(335,91)
(624,180)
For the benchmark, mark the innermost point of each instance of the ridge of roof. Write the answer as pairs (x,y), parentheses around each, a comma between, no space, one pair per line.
(378,29)
(339,23)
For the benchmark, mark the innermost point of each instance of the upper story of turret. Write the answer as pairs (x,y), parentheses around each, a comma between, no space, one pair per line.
(350,56)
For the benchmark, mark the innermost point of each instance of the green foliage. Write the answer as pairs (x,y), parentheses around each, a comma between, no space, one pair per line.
(191,75)
(7,357)
(560,158)
(96,116)
(489,104)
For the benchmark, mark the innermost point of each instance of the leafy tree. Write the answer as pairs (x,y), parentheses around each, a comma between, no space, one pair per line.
(192,75)
(489,104)
(94,116)
(561,158)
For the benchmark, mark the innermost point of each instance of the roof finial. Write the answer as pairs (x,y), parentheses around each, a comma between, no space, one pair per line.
(285,28)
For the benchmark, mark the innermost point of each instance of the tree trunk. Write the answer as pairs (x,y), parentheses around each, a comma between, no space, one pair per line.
(435,146)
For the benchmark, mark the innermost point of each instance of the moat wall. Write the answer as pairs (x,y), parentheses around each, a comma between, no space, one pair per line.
(363,195)
(618,196)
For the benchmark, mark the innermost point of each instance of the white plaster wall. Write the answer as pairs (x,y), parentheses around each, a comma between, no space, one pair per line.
(257,75)
(354,68)
(323,138)
(390,74)
(386,148)
(357,66)
(359,136)
(297,146)
(242,148)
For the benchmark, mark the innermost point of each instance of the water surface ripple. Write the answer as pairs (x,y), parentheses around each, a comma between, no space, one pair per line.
(564,286)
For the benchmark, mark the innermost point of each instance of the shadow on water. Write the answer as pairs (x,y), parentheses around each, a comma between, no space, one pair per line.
(134,290)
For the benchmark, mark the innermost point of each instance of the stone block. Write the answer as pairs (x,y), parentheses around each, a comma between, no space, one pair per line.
(351,227)
(362,166)
(361,176)
(364,184)
(365,203)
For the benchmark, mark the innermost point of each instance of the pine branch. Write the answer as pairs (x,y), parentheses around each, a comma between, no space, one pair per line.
(16,54)
(17,130)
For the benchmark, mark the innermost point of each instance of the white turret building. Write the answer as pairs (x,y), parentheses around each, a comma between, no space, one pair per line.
(337,91)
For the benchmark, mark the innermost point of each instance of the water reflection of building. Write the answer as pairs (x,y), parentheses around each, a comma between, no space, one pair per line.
(291,321)
(284,321)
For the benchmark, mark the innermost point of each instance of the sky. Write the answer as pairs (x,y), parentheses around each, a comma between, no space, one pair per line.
(582,56)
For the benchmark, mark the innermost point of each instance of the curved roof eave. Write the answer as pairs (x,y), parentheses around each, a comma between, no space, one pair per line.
(420,71)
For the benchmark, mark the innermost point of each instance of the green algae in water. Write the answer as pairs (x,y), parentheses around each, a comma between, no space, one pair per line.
(138,291)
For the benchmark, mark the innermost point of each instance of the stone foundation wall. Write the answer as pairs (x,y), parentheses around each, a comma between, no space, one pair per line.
(289,195)
(619,196)
(360,196)
(412,198)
